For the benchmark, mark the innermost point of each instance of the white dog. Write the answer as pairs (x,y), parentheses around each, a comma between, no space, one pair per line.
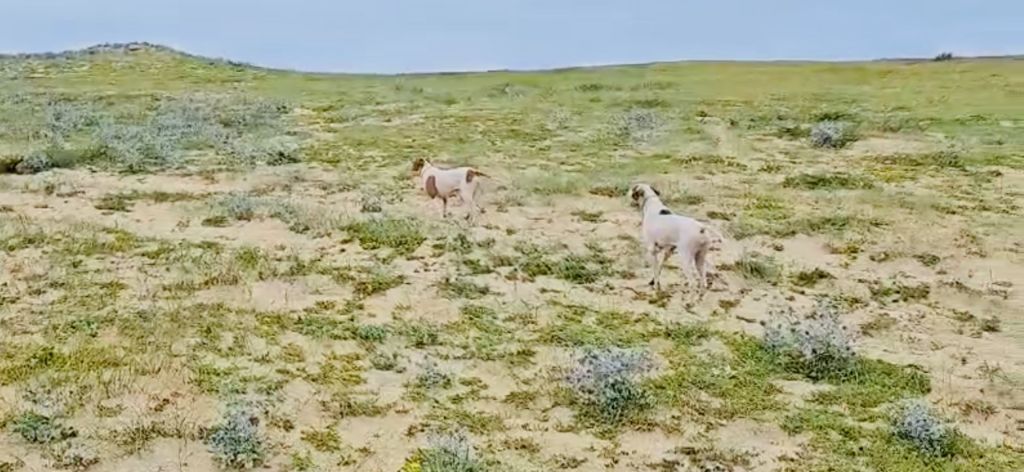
(664,233)
(448,183)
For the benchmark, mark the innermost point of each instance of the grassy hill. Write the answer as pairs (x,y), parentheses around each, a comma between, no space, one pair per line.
(209,265)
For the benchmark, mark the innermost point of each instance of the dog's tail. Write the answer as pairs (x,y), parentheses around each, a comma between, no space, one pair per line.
(473,173)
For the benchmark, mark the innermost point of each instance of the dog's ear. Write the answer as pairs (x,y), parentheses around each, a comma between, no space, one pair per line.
(635,192)
(418,164)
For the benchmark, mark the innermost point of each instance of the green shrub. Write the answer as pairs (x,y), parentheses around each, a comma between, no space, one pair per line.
(827,181)
(400,234)
(41,429)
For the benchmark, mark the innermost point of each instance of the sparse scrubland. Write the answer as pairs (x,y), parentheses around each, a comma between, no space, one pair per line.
(213,266)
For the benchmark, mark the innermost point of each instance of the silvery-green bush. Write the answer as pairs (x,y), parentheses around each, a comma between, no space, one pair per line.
(135,148)
(450,452)
(817,345)
(34,163)
(637,125)
(607,383)
(915,422)
(237,442)
(831,134)
(431,376)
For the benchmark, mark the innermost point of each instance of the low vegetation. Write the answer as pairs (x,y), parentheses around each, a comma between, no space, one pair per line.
(208,264)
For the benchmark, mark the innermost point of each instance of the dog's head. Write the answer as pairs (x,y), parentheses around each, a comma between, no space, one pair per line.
(418,164)
(639,192)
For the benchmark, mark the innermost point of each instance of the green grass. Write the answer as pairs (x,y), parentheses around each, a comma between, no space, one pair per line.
(827,181)
(841,444)
(323,440)
(580,326)
(744,389)
(463,288)
(403,236)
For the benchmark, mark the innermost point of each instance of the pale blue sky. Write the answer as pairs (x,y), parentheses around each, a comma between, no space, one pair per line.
(424,35)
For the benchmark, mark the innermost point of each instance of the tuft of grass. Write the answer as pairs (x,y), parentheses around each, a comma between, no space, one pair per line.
(810,278)
(576,268)
(870,383)
(991,324)
(949,158)
(365,281)
(928,259)
(343,405)
(588,216)
(827,181)
(40,429)
(879,323)
(720,386)
(373,333)
(432,377)
(446,452)
(421,334)
(238,206)
(579,326)
(376,281)
(114,202)
(899,291)
(385,361)
(463,288)
(74,456)
(402,235)
(323,440)
(137,435)
(760,267)
(608,190)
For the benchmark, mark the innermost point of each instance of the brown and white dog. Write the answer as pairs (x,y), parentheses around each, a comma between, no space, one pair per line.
(437,182)
(664,233)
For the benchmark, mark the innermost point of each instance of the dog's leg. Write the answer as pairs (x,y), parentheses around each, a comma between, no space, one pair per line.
(660,256)
(468,198)
(686,264)
(444,207)
(700,261)
(651,255)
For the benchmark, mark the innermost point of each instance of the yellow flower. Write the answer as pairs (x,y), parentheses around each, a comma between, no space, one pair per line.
(412,465)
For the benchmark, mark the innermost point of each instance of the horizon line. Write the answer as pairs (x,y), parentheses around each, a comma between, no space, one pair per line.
(133,46)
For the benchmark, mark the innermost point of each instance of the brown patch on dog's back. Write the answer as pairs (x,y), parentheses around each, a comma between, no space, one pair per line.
(431,186)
